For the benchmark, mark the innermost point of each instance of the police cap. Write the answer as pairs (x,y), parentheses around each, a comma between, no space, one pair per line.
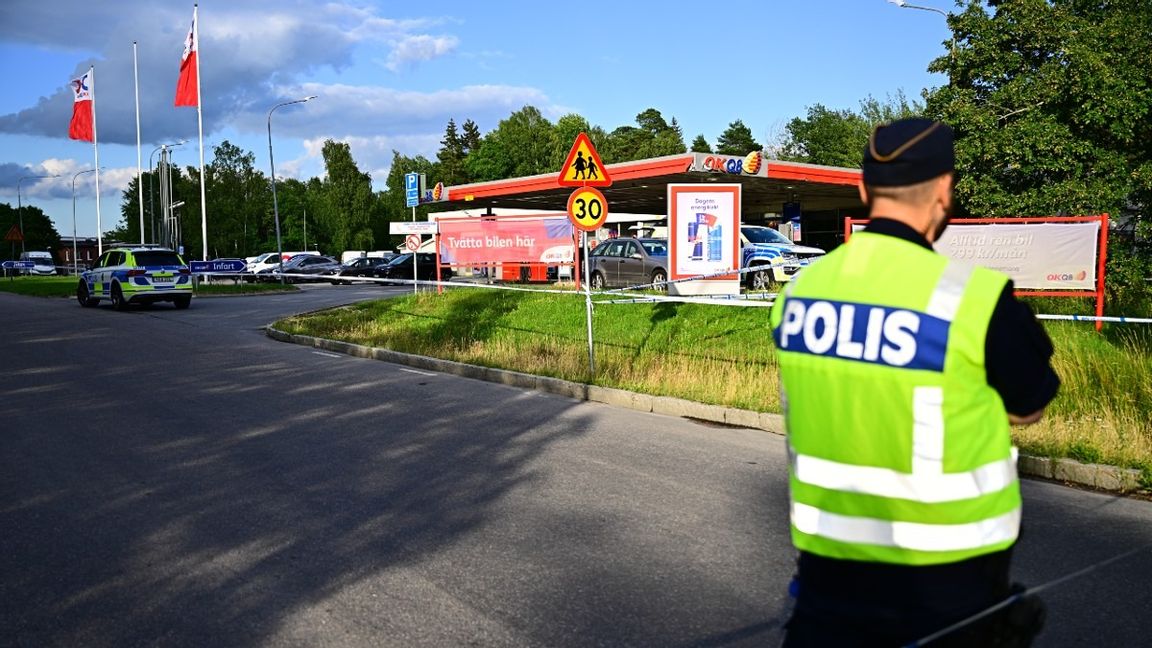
(907,152)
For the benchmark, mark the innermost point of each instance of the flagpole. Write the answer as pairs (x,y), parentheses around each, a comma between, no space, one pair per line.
(139,178)
(200,123)
(96,152)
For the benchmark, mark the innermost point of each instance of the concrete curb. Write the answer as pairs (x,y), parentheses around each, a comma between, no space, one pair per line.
(1096,476)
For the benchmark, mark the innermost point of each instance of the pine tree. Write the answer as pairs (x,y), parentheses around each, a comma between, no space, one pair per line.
(701,145)
(737,140)
(451,156)
(471,138)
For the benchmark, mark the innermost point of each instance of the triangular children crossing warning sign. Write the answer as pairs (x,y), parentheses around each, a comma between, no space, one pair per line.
(583,167)
(14,234)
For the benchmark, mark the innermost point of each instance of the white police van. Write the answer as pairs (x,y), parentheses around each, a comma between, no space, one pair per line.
(44,263)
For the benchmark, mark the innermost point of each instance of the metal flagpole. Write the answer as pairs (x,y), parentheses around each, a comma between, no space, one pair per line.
(96,150)
(200,123)
(139,171)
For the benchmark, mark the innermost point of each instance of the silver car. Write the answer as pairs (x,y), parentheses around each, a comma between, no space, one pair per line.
(621,262)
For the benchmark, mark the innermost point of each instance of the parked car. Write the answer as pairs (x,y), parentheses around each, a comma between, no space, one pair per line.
(314,267)
(364,266)
(776,258)
(621,262)
(136,275)
(268,261)
(401,268)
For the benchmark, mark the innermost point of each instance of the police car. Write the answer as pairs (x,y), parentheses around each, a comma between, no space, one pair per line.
(776,258)
(139,274)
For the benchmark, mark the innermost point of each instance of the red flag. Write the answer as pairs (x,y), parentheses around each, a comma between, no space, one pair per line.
(81,126)
(188,86)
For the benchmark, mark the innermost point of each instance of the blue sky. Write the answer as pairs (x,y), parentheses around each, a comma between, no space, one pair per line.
(389,75)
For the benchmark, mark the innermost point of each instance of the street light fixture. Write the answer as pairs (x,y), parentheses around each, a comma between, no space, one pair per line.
(75,252)
(151,202)
(20,204)
(272,164)
(904,5)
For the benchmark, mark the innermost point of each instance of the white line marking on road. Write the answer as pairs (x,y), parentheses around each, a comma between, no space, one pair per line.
(328,355)
(422,373)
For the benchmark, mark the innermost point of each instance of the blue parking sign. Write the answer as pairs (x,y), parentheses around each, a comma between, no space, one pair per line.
(412,189)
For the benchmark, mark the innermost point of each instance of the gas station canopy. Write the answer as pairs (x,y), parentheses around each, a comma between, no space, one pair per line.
(641,186)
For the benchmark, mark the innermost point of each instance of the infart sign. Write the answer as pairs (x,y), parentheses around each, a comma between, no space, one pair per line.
(1037,256)
(704,236)
(478,242)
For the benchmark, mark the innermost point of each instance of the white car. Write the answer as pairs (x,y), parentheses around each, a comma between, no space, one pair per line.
(268,261)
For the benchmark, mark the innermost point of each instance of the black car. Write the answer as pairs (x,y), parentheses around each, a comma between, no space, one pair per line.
(364,266)
(401,268)
(315,266)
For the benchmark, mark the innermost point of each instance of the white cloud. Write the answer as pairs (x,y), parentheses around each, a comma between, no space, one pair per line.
(373,155)
(420,47)
(371,111)
(248,56)
(113,181)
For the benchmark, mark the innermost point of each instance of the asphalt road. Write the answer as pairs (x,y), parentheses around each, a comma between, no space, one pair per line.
(176,478)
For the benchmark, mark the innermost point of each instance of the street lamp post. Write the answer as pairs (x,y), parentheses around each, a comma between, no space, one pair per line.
(272,164)
(75,253)
(904,5)
(151,202)
(20,204)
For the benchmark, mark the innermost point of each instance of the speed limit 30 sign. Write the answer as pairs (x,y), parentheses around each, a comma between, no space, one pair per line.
(587,209)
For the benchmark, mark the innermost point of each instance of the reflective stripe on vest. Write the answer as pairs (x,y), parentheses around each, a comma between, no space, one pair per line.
(906,535)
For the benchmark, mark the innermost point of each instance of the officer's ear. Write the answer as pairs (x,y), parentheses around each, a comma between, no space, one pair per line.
(863,192)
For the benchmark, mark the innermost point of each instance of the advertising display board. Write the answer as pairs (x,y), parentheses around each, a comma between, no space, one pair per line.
(520,240)
(1040,256)
(1051,256)
(704,238)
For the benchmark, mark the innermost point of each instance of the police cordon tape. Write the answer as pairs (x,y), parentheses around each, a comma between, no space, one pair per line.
(1031,591)
(765,299)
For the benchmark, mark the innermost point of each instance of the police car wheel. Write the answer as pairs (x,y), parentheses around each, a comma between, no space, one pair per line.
(182,301)
(118,301)
(83,297)
(761,279)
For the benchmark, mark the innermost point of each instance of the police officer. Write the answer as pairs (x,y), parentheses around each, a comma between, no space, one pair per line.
(901,372)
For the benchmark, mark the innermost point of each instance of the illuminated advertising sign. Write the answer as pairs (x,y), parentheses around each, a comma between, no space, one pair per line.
(704,237)
(520,240)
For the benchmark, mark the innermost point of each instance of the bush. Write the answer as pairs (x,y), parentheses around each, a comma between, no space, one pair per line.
(1128,284)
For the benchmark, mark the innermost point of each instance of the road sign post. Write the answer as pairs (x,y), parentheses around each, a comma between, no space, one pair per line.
(588,210)
(413,189)
(218,265)
(583,167)
(16,265)
(412,242)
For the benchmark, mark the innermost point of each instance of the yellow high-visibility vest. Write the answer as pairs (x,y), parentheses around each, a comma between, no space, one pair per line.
(900,450)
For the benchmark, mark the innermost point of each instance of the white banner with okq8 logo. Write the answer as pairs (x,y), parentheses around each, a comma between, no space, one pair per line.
(1037,256)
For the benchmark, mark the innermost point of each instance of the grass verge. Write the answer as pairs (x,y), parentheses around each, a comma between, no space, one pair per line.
(66,287)
(39,286)
(723,355)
